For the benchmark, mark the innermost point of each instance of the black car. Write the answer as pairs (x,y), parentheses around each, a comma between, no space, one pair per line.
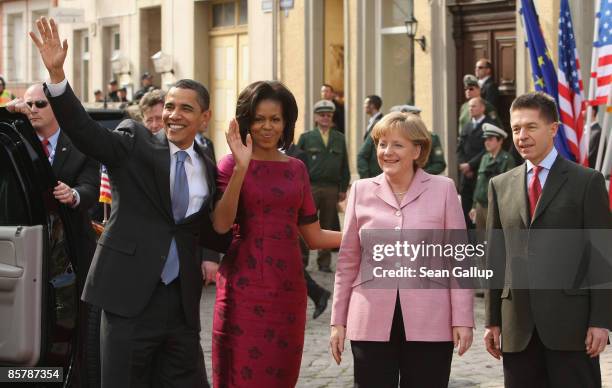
(44,322)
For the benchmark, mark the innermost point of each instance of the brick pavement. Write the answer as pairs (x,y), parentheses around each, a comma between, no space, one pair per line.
(476,369)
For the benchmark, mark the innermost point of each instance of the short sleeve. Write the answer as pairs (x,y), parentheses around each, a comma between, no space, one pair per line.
(308,210)
(225,169)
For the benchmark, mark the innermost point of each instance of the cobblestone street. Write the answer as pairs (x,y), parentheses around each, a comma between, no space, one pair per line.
(476,369)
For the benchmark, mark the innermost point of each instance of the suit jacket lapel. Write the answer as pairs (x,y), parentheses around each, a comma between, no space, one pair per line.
(556,178)
(417,187)
(371,125)
(384,192)
(161,155)
(62,152)
(523,199)
(210,171)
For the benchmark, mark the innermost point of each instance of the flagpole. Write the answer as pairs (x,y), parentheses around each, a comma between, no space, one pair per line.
(607,163)
(604,133)
(592,81)
(105,207)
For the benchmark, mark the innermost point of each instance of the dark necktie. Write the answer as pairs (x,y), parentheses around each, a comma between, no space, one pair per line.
(180,203)
(535,189)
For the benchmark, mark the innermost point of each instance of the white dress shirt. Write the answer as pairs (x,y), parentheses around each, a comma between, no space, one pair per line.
(196,177)
(52,144)
(546,165)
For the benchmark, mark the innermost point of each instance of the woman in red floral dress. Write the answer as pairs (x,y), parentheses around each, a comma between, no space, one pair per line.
(260,309)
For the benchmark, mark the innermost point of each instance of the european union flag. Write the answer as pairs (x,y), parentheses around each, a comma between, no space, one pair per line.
(542,67)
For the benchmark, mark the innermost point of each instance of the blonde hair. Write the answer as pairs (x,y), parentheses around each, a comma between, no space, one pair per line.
(411,127)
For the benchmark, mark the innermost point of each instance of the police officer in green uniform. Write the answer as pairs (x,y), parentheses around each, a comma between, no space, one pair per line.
(472,89)
(496,161)
(436,162)
(329,170)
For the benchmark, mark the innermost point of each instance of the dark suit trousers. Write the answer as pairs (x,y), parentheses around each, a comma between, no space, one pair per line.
(326,201)
(466,190)
(314,290)
(539,367)
(155,348)
(411,363)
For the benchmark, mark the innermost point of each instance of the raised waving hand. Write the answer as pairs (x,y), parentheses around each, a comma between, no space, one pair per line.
(52,50)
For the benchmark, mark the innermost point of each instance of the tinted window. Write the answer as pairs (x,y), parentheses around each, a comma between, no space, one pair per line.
(13,210)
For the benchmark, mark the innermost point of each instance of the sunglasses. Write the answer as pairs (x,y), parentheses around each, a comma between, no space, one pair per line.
(38,103)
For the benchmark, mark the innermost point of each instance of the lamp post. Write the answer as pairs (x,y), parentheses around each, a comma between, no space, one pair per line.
(411,29)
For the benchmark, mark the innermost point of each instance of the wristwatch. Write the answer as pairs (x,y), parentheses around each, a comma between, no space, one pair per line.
(74,196)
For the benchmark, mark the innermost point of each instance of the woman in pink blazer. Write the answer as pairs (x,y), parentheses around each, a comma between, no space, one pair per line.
(399,332)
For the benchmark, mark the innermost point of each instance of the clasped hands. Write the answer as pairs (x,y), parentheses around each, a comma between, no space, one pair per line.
(595,341)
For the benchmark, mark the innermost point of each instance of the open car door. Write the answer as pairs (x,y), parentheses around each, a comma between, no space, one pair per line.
(43,322)
(22,252)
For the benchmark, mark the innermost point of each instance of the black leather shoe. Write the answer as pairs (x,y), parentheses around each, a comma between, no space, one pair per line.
(321,304)
(325,269)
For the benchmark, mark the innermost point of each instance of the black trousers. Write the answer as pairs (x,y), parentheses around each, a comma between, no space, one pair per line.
(155,348)
(412,364)
(539,367)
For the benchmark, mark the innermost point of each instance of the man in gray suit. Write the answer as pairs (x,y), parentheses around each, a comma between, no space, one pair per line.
(145,274)
(552,322)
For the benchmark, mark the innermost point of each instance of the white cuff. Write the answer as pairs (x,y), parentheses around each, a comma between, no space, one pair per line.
(57,89)
(77,199)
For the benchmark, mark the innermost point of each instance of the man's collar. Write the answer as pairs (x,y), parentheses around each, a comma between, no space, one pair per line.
(174,149)
(52,139)
(547,162)
(479,119)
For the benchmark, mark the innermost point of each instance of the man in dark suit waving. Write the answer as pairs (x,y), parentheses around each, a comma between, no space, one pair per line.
(552,321)
(146,273)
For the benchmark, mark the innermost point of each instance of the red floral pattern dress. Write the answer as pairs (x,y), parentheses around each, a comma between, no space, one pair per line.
(260,309)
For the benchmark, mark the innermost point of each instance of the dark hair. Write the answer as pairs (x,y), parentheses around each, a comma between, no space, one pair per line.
(98,91)
(201,91)
(255,93)
(375,100)
(328,86)
(595,109)
(2,81)
(113,82)
(538,101)
(152,98)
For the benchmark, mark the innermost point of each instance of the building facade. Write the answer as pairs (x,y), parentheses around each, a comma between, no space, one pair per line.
(360,47)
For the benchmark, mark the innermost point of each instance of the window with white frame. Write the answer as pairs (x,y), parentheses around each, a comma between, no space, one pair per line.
(81,64)
(39,72)
(14,44)
(393,52)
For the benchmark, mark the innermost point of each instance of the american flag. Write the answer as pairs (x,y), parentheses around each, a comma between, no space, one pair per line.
(603,48)
(571,96)
(105,186)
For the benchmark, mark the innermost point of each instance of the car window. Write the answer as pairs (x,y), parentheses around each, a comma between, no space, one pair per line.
(13,206)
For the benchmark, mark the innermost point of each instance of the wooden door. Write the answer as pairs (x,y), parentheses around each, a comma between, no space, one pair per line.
(229,67)
(487,30)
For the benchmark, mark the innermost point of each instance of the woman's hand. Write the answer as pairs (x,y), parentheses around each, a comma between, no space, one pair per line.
(336,342)
(242,153)
(462,337)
